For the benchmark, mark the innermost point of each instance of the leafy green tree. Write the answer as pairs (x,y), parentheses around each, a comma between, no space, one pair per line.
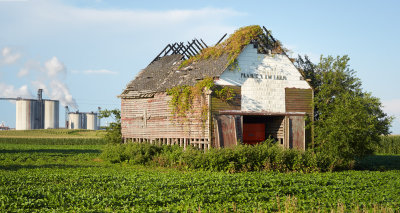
(113,134)
(347,120)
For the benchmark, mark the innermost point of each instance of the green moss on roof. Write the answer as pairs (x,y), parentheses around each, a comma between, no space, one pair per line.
(232,46)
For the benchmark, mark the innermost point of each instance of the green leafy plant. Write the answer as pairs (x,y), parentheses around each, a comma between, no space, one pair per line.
(241,158)
(224,93)
(234,66)
(348,121)
(183,96)
(181,101)
(113,131)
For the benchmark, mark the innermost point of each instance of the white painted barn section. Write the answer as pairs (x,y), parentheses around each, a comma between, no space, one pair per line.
(263,79)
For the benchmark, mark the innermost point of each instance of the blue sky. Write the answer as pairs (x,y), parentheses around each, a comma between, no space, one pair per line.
(85,52)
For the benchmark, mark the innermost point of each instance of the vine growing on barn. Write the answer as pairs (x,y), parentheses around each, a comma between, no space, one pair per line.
(183,97)
(231,46)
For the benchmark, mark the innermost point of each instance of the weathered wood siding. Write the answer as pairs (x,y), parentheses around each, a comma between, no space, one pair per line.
(218,105)
(233,104)
(298,100)
(296,131)
(151,118)
(275,127)
(226,134)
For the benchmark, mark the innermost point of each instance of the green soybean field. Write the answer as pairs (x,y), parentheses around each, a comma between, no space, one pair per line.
(52,133)
(72,178)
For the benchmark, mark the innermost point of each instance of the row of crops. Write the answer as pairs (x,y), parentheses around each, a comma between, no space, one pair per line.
(54,141)
(388,145)
(37,177)
(52,133)
(102,188)
(17,156)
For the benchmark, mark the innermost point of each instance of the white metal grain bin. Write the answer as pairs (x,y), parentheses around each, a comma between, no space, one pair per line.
(74,120)
(25,115)
(83,121)
(91,121)
(51,114)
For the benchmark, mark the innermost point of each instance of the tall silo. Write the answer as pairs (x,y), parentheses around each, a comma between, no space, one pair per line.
(91,121)
(51,114)
(25,114)
(75,120)
(39,111)
(83,121)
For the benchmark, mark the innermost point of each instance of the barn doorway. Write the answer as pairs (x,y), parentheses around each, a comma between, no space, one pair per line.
(257,129)
(287,129)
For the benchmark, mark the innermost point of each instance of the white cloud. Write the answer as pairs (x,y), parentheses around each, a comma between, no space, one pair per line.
(48,76)
(9,57)
(40,85)
(9,91)
(143,17)
(23,72)
(31,66)
(52,83)
(101,71)
(133,18)
(13,0)
(54,67)
(44,18)
(60,91)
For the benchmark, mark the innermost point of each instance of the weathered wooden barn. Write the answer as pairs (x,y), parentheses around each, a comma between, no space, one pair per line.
(245,89)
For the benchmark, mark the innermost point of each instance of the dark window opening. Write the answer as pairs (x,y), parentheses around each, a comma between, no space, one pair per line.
(257,129)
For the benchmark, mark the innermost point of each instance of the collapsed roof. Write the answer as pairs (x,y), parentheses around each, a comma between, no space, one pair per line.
(183,67)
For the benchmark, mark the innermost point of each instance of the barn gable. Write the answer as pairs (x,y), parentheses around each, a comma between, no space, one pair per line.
(172,70)
(263,79)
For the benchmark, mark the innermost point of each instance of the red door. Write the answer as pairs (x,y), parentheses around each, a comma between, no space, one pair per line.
(253,133)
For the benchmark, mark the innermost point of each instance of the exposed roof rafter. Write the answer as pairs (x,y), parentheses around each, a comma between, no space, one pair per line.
(264,43)
(186,50)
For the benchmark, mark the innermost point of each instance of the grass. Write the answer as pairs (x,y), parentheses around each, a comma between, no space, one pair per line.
(53,137)
(52,133)
(54,141)
(72,178)
(15,156)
